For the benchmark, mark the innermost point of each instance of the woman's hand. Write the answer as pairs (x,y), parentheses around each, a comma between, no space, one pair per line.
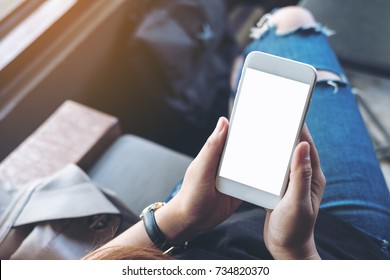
(199,206)
(289,228)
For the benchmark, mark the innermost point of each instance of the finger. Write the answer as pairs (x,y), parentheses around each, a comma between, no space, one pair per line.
(318,180)
(208,158)
(301,174)
(315,159)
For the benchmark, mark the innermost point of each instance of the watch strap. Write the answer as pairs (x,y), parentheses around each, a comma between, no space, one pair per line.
(155,234)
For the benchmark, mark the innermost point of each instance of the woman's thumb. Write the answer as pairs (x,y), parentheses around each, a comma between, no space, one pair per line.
(301,173)
(208,158)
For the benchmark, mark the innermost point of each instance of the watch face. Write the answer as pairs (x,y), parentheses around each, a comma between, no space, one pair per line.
(157,205)
(152,207)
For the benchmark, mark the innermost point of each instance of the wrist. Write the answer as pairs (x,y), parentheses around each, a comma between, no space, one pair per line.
(170,219)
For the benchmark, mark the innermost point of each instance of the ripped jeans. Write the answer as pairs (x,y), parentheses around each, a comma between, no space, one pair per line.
(356,191)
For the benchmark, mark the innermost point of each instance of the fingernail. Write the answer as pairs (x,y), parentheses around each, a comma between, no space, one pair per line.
(219,126)
(306,152)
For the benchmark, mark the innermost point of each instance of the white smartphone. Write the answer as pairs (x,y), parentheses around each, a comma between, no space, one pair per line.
(269,111)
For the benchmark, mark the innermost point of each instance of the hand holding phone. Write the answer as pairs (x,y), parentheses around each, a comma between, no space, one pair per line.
(289,228)
(268,114)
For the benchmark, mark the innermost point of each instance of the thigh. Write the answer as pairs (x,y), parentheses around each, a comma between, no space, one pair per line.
(356,190)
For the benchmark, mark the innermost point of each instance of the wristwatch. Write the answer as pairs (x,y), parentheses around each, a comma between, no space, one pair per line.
(155,234)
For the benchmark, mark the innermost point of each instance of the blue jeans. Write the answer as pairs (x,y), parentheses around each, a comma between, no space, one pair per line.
(356,191)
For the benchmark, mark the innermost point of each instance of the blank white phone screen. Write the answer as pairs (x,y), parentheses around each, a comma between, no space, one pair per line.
(266,119)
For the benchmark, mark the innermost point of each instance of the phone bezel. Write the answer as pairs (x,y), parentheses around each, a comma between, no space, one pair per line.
(282,67)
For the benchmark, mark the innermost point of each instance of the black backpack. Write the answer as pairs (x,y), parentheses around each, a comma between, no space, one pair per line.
(179,58)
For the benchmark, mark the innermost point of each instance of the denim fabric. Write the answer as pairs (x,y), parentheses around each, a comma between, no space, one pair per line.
(356,190)
(308,45)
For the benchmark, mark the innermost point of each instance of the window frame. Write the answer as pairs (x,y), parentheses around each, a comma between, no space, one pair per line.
(50,49)
(28,23)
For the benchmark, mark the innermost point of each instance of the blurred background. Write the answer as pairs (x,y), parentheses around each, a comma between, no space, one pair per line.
(163,66)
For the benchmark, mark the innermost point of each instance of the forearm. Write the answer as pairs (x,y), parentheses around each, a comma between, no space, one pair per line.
(134,236)
(134,243)
(170,222)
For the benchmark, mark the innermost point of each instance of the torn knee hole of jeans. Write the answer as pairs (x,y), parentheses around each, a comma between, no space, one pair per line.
(335,84)
(317,28)
(266,23)
(263,25)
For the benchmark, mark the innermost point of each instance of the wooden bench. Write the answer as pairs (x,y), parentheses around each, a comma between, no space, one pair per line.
(72,134)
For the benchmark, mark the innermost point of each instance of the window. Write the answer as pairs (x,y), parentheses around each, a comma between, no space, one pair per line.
(22,22)
(9,6)
(41,42)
